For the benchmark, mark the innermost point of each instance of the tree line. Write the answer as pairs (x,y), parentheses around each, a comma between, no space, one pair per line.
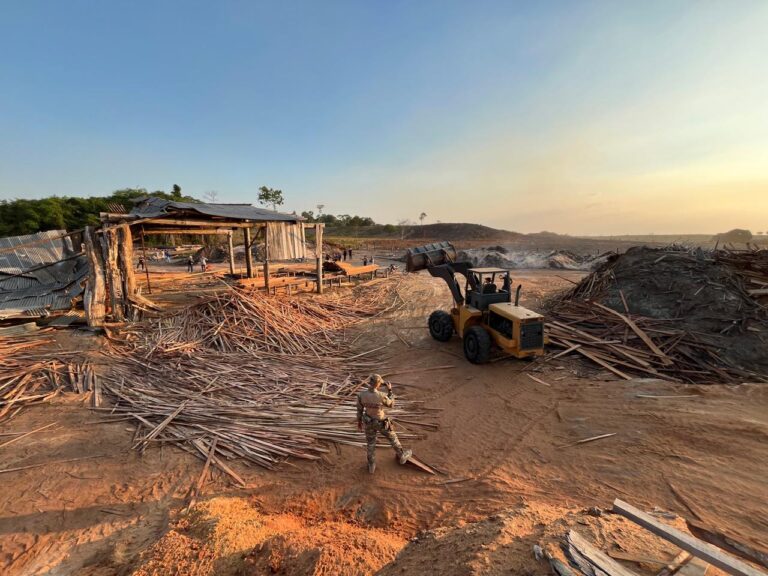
(20,217)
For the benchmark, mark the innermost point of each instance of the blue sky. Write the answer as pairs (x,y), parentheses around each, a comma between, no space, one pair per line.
(577,117)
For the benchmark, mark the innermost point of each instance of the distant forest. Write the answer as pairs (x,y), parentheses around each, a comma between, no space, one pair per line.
(19,217)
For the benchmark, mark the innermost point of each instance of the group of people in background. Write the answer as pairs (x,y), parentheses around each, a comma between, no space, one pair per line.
(203,261)
(340,256)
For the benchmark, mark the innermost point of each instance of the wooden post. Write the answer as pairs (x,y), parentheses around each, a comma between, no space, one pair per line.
(319,251)
(248,255)
(110,245)
(125,262)
(231,254)
(266,259)
(146,261)
(95,292)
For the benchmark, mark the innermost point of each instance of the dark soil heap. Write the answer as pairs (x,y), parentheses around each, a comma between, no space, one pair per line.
(706,297)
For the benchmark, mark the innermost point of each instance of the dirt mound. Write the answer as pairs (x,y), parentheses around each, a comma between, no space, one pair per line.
(503,257)
(503,543)
(231,537)
(702,293)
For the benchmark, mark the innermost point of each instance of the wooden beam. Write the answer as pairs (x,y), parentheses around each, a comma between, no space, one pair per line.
(204,223)
(319,253)
(111,252)
(698,548)
(248,255)
(231,247)
(95,292)
(125,262)
(188,231)
(636,329)
(728,543)
(266,259)
(597,557)
(146,261)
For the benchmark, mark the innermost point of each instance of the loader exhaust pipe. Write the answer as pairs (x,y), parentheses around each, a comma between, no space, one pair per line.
(517,294)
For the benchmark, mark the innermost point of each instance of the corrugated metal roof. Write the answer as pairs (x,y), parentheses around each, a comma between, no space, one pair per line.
(19,253)
(157,207)
(39,273)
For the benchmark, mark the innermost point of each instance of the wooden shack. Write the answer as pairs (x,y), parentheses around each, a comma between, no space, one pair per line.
(111,289)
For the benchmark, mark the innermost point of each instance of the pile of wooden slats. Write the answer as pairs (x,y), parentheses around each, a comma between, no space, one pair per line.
(30,376)
(251,377)
(592,321)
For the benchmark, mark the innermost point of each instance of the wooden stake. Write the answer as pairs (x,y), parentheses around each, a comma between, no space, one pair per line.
(146,260)
(231,253)
(248,255)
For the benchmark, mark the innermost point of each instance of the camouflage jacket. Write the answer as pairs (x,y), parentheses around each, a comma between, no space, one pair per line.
(372,403)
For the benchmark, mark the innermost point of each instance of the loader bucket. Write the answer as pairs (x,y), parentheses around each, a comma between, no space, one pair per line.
(422,257)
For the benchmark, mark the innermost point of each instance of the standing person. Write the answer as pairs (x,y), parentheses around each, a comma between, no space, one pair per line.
(203,263)
(140,265)
(344,255)
(371,260)
(372,417)
(365,260)
(350,253)
(190,264)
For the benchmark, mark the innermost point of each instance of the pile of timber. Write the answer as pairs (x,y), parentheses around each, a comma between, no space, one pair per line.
(349,269)
(247,320)
(674,314)
(251,377)
(30,376)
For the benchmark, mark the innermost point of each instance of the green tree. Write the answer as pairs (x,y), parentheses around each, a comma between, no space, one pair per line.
(271,196)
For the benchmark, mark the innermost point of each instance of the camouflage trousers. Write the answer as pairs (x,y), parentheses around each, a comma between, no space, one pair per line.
(372,429)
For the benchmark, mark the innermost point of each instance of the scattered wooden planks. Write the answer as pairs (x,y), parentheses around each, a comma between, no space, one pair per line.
(694,546)
(267,378)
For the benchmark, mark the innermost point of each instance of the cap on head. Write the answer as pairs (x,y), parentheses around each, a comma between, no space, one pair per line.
(374,381)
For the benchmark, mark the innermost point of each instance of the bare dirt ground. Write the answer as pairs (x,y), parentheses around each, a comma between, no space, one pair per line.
(501,439)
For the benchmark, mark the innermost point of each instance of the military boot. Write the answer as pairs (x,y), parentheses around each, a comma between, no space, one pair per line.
(405,456)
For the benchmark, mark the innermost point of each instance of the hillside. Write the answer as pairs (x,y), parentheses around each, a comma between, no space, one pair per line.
(441,231)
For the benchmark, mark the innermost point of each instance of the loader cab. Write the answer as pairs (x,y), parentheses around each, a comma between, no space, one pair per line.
(482,287)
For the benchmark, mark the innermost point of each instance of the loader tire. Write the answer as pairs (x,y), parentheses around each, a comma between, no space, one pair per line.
(477,345)
(441,325)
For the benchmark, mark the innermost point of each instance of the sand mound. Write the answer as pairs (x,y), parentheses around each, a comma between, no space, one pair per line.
(231,537)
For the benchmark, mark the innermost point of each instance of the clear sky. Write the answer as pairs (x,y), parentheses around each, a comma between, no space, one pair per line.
(576,117)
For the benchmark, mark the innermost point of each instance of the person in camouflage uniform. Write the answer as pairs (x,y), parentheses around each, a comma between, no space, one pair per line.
(371,415)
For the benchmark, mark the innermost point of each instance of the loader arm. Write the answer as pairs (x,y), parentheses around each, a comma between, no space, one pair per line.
(448,273)
(439,260)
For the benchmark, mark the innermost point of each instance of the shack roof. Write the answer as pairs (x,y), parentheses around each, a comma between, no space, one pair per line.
(153,207)
(39,273)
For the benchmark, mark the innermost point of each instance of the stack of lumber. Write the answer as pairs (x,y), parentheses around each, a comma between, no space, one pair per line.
(670,313)
(251,377)
(349,269)
(30,376)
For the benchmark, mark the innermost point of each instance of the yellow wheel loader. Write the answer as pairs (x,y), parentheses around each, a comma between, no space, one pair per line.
(485,315)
